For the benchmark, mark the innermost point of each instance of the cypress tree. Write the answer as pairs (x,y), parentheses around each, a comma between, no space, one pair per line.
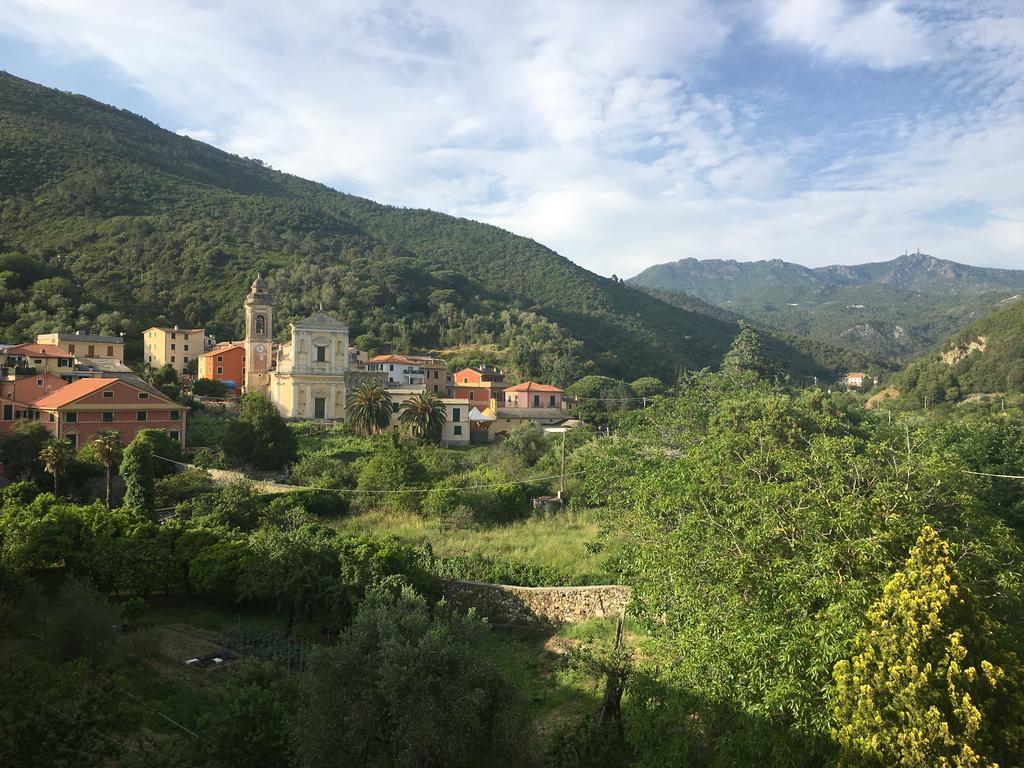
(746,355)
(137,471)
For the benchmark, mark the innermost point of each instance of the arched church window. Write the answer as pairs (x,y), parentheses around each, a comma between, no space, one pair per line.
(261,325)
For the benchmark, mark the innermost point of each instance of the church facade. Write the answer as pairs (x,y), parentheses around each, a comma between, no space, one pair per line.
(306,377)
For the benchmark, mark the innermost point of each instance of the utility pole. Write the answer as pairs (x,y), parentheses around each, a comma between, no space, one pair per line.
(561,479)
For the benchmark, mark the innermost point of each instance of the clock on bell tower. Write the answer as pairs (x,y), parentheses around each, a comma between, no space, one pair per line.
(259,314)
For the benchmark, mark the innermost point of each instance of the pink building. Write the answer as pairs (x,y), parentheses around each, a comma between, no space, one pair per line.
(530,394)
(80,410)
(18,395)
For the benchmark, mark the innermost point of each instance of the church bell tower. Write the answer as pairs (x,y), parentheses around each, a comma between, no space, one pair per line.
(259,314)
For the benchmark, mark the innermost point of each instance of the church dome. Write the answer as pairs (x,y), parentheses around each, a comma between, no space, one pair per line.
(259,293)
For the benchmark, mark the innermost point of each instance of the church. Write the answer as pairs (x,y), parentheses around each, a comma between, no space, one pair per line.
(307,377)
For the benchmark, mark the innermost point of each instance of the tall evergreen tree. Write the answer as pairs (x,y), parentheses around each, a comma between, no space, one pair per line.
(746,355)
(927,685)
(138,473)
(369,408)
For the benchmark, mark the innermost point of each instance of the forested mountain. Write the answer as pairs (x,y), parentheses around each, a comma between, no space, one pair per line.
(986,357)
(893,309)
(110,223)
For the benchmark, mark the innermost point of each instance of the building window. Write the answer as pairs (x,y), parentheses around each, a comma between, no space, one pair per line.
(92,350)
(220,370)
(457,430)
(220,358)
(321,353)
(174,335)
(71,349)
(175,435)
(73,439)
(110,351)
(51,417)
(108,416)
(172,346)
(70,418)
(108,394)
(39,382)
(551,401)
(8,412)
(536,401)
(175,415)
(456,414)
(185,359)
(140,416)
(63,363)
(319,407)
(261,325)
(186,348)
(172,358)
(145,395)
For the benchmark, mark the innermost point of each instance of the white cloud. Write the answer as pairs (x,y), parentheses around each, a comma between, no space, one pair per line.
(595,128)
(879,36)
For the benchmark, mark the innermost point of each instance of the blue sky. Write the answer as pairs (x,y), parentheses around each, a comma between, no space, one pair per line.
(620,134)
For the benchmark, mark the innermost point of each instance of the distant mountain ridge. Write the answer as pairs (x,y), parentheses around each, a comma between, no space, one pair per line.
(894,309)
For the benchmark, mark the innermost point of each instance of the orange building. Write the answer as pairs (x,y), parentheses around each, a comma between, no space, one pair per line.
(18,395)
(479,385)
(224,363)
(78,411)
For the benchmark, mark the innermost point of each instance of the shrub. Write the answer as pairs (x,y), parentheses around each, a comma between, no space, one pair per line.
(385,475)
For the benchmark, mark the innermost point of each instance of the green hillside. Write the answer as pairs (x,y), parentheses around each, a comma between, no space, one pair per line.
(893,309)
(110,223)
(987,357)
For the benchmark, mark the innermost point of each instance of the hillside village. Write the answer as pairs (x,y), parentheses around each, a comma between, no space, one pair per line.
(383,486)
(78,385)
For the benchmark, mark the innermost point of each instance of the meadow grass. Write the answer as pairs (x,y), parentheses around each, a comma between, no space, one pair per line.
(568,541)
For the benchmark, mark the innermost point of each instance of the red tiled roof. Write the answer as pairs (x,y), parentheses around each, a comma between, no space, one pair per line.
(219,350)
(392,359)
(37,350)
(73,391)
(532,386)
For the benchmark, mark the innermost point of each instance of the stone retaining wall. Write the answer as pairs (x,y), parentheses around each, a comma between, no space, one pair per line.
(225,476)
(538,606)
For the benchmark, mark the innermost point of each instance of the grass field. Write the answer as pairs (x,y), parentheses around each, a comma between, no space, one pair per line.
(568,541)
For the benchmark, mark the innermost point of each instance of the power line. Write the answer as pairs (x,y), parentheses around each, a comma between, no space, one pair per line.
(990,474)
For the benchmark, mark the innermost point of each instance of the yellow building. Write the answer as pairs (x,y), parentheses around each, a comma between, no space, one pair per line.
(309,380)
(81,345)
(28,359)
(175,346)
(457,426)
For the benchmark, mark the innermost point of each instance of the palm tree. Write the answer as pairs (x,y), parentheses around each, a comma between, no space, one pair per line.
(423,416)
(369,408)
(56,456)
(107,446)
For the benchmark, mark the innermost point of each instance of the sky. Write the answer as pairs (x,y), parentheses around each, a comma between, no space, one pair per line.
(620,134)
